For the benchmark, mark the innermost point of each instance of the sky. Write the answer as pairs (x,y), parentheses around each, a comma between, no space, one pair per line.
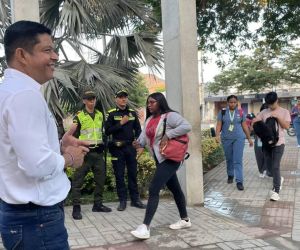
(210,69)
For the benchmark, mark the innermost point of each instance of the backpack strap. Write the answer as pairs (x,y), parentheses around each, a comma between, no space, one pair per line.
(223,111)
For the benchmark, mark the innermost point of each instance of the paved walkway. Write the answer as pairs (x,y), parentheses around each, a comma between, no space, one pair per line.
(230,219)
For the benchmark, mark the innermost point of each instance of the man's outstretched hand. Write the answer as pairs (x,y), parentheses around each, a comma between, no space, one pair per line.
(69,140)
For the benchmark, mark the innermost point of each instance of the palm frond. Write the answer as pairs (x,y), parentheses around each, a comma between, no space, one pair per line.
(141,48)
(3,65)
(103,79)
(4,17)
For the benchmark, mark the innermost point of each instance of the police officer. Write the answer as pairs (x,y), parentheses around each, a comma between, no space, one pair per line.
(123,126)
(89,127)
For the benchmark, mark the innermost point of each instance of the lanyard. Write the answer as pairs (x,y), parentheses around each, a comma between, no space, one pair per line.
(231,115)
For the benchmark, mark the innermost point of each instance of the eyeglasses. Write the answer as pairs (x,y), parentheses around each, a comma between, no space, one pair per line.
(151,102)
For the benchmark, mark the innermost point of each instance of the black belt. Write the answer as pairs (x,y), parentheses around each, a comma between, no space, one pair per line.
(120,143)
(96,147)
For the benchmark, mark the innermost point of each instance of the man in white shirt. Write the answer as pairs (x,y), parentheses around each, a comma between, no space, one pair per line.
(33,183)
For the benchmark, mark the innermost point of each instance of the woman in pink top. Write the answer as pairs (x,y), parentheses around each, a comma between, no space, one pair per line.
(165,173)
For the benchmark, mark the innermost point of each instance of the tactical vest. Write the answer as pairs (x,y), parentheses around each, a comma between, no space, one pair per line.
(91,130)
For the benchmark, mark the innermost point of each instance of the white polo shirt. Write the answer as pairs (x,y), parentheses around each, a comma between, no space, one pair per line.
(31,166)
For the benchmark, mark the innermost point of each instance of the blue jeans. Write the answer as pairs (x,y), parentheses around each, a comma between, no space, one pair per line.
(233,150)
(33,227)
(296,124)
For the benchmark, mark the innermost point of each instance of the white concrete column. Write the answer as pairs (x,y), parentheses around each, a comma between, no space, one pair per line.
(25,10)
(182,87)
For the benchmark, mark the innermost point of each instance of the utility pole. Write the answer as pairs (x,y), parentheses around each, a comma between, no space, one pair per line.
(182,85)
(24,10)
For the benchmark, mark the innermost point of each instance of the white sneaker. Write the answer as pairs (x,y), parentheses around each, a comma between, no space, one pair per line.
(298,146)
(261,175)
(264,173)
(181,224)
(281,182)
(274,196)
(142,232)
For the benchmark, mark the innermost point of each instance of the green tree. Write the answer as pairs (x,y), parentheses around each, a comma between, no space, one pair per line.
(138,94)
(230,26)
(251,73)
(292,66)
(84,26)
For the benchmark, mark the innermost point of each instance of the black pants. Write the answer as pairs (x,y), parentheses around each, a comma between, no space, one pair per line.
(273,158)
(125,157)
(165,174)
(260,159)
(92,161)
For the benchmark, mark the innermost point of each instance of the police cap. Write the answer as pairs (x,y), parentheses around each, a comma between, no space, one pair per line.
(88,94)
(121,92)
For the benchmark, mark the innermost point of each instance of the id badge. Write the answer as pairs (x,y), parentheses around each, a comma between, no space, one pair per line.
(231,126)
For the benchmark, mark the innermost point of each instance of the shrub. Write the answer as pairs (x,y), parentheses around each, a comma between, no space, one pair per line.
(89,184)
(212,153)
(146,169)
(205,133)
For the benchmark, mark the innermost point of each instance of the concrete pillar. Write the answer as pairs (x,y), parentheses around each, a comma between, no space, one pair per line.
(182,88)
(25,10)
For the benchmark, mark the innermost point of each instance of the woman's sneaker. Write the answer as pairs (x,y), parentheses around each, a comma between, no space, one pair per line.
(142,232)
(181,224)
(274,196)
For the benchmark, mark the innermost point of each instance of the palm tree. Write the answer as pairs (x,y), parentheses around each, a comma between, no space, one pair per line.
(101,46)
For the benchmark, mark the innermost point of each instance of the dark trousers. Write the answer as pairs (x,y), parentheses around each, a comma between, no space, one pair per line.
(29,226)
(92,161)
(260,159)
(165,174)
(123,157)
(273,158)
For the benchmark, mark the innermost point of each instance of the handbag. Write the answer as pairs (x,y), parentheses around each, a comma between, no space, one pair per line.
(176,148)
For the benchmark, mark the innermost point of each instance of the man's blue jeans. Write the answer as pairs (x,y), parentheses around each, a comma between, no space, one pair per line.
(233,150)
(33,227)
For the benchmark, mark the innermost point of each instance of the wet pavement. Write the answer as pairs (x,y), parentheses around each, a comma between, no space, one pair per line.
(230,219)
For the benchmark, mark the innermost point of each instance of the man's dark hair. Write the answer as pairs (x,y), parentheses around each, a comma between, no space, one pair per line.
(231,96)
(263,106)
(271,97)
(162,103)
(22,34)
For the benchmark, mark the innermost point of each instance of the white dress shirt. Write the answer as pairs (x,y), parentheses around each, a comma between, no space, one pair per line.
(31,166)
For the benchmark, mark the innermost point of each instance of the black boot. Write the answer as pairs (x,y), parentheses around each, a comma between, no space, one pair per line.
(122,206)
(138,204)
(76,212)
(99,207)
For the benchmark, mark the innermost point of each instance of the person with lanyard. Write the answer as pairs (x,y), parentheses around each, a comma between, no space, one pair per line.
(33,183)
(231,130)
(153,136)
(123,127)
(295,115)
(89,127)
